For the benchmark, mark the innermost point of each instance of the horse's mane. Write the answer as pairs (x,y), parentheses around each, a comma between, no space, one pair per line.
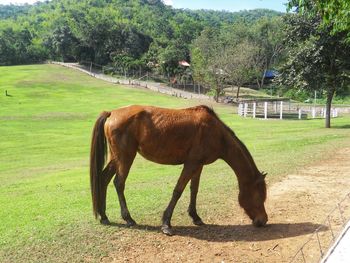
(234,137)
(213,113)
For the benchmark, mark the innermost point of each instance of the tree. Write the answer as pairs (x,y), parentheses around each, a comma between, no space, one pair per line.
(267,37)
(18,46)
(239,63)
(170,56)
(63,43)
(207,59)
(238,54)
(318,59)
(334,13)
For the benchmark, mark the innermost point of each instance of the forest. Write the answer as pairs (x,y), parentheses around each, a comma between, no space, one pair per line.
(130,33)
(308,46)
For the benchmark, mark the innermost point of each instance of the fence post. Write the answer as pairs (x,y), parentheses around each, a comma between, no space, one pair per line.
(281,110)
(265,110)
(299,114)
(333,112)
(245,109)
(254,110)
(313,112)
(240,109)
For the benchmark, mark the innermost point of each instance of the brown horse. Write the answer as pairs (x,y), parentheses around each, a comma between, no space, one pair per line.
(193,137)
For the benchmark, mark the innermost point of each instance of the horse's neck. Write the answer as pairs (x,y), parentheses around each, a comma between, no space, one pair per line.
(240,160)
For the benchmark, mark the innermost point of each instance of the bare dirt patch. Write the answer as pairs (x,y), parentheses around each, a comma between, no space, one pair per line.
(296,205)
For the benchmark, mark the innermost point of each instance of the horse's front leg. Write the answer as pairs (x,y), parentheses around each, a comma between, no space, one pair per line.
(187,172)
(192,210)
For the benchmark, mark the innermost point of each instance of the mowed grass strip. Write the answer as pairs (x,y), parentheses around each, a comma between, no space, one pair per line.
(45,128)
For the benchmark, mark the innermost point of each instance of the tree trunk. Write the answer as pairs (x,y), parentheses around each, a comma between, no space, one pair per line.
(261,84)
(216,93)
(258,83)
(216,97)
(260,78)
(330,95)
(237,95)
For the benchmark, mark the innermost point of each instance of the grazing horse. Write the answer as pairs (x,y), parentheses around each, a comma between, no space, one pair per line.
(193,137)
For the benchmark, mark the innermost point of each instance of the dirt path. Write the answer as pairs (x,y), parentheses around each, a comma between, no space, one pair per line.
(154,86)
(297,205)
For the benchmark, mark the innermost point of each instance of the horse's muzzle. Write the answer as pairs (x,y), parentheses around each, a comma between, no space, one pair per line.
(259,222)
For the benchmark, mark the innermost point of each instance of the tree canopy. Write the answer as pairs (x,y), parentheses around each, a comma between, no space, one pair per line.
(237,54)
(334,13)
(122,33)
(318,54)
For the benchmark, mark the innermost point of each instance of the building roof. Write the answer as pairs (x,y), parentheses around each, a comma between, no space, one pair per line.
(184,63)
(271,74)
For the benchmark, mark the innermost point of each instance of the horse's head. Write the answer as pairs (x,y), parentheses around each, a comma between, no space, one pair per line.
(252,198)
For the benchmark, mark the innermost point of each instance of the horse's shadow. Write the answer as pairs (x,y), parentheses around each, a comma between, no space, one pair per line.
(229,233)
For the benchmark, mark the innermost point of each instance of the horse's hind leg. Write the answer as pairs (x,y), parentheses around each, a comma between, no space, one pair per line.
(188,171)
(123,168)
(192,210)
(107,175)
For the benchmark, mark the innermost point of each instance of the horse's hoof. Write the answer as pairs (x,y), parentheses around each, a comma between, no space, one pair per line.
(167,230)
(130,223)
(105,222)
(198,222)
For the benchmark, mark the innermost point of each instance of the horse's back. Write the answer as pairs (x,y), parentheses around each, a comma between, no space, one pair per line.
(159,118)
(169,136)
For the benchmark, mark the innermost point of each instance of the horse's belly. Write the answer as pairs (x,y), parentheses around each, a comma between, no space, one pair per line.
(163,155)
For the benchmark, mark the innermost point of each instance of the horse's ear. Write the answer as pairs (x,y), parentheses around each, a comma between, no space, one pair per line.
(261,178)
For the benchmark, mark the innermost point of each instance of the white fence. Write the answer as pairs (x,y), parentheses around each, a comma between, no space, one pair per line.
(281,110)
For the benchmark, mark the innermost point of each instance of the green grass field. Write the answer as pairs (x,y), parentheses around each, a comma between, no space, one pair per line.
(45,128)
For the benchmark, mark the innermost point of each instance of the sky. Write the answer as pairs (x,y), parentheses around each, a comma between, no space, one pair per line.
(228,5)
(7,2)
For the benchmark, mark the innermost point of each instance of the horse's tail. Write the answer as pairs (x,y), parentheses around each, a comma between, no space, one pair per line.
(98,155)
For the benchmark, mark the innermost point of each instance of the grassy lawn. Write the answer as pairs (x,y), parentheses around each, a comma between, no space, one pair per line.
(45,128)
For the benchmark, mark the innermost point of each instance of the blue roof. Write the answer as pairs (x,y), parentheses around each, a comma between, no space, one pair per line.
(271,73)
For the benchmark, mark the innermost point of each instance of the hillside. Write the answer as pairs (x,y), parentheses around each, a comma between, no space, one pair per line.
(103,30)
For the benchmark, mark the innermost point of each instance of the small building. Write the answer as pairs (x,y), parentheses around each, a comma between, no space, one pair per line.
(270,74)
(184,63)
